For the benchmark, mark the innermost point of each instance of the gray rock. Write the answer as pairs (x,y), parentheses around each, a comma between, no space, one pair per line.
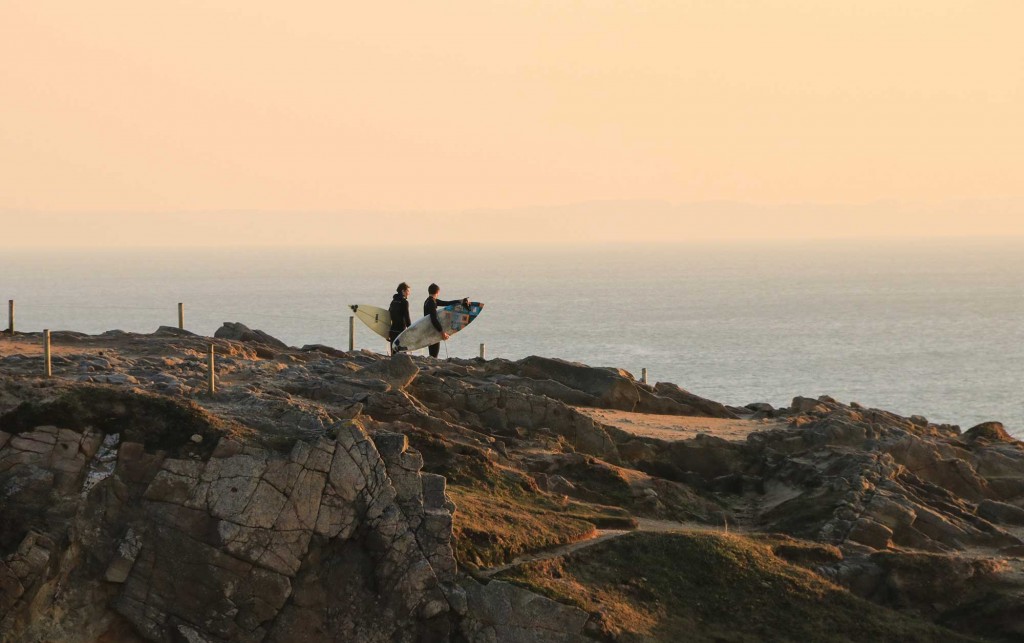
(504,613)
(398,372)
(242,333)
(1002,513)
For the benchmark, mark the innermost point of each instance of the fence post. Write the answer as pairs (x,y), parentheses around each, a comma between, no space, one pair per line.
(643,376)
(181,315)
(483,351)
(10,317)
(48,368)
(351,334)
(213,371)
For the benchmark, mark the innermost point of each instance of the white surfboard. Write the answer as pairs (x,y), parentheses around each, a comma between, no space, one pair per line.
(378,319)
(422,333)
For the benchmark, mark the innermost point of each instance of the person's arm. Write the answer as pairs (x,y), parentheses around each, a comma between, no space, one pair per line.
(464,301)
(431,309)
(408,320)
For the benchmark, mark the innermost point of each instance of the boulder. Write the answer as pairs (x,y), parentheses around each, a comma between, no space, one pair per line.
(173,331)
(808,405)
(987,432)
(242,333)
(870,533)
(1001,513)
(701,406)
(399,372)
(503,613)
(611,388)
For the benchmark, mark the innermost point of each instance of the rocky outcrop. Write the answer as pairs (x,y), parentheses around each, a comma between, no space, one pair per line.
(610,388)
(235,543)
(959,592)
(508,405)
(876,480)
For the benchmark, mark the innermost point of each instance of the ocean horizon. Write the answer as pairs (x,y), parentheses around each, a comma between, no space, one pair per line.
(916,327)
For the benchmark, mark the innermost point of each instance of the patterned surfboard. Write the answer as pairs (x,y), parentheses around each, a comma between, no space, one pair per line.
(453,319)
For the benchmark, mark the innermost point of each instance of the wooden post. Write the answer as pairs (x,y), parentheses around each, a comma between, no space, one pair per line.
(643,376)
(48,368)
(351,334)
(10,317)
(181,316)
(213,371)
(483,351)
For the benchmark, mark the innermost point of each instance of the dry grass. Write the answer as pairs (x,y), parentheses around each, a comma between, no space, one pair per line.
(501,512)
(712,587)
(493,529)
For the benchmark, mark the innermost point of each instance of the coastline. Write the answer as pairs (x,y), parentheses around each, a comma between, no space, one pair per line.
(462,486)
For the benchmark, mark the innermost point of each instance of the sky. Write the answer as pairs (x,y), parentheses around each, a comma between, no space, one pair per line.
(725,118)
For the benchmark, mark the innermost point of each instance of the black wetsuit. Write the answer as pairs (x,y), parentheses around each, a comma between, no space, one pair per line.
(399,310)
(430,307)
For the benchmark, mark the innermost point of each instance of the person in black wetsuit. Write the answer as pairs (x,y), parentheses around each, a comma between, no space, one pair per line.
(430,307)
(399,310)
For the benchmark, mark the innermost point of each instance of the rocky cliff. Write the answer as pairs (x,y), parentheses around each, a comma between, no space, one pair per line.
(324,495)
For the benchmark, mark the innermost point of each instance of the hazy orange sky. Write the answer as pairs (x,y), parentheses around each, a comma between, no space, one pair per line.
(514,106)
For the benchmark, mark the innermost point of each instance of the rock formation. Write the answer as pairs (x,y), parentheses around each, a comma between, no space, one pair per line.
(326,495)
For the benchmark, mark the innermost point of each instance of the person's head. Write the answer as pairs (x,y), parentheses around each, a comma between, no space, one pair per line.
(433,290)
(404,289)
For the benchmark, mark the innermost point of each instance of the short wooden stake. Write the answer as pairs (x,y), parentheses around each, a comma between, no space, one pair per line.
(351,333)
(483,351)
(10,317)
(48,369)
(643,376)
(181,316)
(213,371)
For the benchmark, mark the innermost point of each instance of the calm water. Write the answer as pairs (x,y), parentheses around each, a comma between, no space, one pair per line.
(931,328)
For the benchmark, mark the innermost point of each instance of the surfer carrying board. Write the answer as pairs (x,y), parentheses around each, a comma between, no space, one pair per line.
(399,310)
(430,307)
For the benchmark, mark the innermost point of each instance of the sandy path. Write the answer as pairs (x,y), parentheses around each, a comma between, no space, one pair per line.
(32,346)
(675,427)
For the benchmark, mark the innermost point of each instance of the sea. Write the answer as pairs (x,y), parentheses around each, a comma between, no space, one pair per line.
(934,327)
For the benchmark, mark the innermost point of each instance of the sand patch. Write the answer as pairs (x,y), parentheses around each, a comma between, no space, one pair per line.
(675,427)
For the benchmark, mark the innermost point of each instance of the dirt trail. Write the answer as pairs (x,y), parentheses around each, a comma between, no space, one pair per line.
(32,346)
(599,536)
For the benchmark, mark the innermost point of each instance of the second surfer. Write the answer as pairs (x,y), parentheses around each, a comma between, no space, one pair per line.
(430,307)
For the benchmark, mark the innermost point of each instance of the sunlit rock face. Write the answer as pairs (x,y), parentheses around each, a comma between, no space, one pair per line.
(331,538)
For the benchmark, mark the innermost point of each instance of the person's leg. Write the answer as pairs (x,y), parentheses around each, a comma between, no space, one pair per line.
(392,336)
(435,350)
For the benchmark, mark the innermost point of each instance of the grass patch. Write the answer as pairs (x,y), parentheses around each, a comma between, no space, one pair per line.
(495,523)
(502,513)
(712,587)
(493,529)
